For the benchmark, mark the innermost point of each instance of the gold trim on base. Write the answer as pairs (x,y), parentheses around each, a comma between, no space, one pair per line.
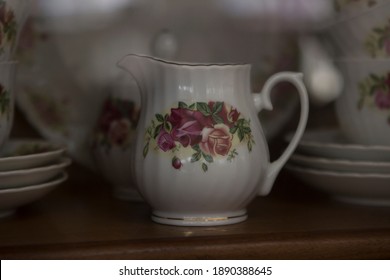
(201,219)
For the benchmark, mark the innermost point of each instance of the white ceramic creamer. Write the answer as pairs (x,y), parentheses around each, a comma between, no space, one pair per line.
(200,155)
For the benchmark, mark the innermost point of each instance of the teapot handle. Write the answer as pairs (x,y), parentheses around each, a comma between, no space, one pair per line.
(263,101)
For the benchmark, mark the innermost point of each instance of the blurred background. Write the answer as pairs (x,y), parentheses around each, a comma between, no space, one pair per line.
(68,52)
(70,89)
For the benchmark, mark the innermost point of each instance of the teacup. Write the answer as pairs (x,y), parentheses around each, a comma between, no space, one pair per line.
(7,97)
(13,14)
(363,110)
(364,35)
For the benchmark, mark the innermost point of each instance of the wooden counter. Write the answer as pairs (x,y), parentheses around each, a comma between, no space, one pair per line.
(81,220)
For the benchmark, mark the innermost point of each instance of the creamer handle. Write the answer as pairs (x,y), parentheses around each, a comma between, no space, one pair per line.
(263,101)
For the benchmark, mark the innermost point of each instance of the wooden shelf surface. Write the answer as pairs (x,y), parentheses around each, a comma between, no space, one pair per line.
(81,220)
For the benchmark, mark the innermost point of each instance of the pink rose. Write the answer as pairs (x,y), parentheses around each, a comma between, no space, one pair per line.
(165,141)
(216,140)
(187,125)
(382,99)
(119,131)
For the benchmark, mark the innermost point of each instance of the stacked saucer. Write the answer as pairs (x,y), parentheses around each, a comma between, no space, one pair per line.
(348,172)
(29,169)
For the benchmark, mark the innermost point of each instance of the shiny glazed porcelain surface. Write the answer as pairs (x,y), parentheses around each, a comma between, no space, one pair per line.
(200,155)
(363,110)
(363,35)
(24,153)
(32,176)
(12,198)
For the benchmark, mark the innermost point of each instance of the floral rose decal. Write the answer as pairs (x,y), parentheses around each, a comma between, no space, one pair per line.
(378,41)
(207,130)
(117,123)
(375,92)
(4,102)
(8,25)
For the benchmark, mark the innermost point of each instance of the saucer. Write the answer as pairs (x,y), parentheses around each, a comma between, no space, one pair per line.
(367,189)
(28,153)
(331,144)
(340,165)
(10,199)
(32,176)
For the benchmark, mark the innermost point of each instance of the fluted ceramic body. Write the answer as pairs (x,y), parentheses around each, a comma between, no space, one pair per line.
(200,155)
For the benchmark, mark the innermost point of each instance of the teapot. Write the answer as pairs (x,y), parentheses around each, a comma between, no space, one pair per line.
(200,154)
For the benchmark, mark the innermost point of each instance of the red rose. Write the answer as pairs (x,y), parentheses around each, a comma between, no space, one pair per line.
(216,140)
(109,115)
(382,99)
(165,141)
(187,126)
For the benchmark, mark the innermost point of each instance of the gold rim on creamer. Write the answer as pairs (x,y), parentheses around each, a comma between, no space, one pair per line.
(201,219)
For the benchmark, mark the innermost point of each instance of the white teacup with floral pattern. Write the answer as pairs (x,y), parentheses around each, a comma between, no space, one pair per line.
(7,98)
(13,14)
(200,155)
(363,110)
(363,36)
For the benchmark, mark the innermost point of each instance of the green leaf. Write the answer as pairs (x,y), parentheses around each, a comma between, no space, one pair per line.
(146,149)
(241,134)
(196,157)
(246,129)
(160,117)
(378,30)
(208,158)
(372,90)
(167,126)
(183,105)
(240,122)
(203,108)
(233,129)
(217,119)
(375,77)
(196,148)
(250,146)
(204,167)
(157,130)
(217,107)
(192,106)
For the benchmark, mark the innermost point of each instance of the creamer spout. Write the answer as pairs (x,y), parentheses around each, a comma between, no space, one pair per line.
(139,67)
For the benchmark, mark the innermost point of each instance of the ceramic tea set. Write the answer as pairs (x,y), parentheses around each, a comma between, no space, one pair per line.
(29,168)
(12,16)
(358,37)
(352,162)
